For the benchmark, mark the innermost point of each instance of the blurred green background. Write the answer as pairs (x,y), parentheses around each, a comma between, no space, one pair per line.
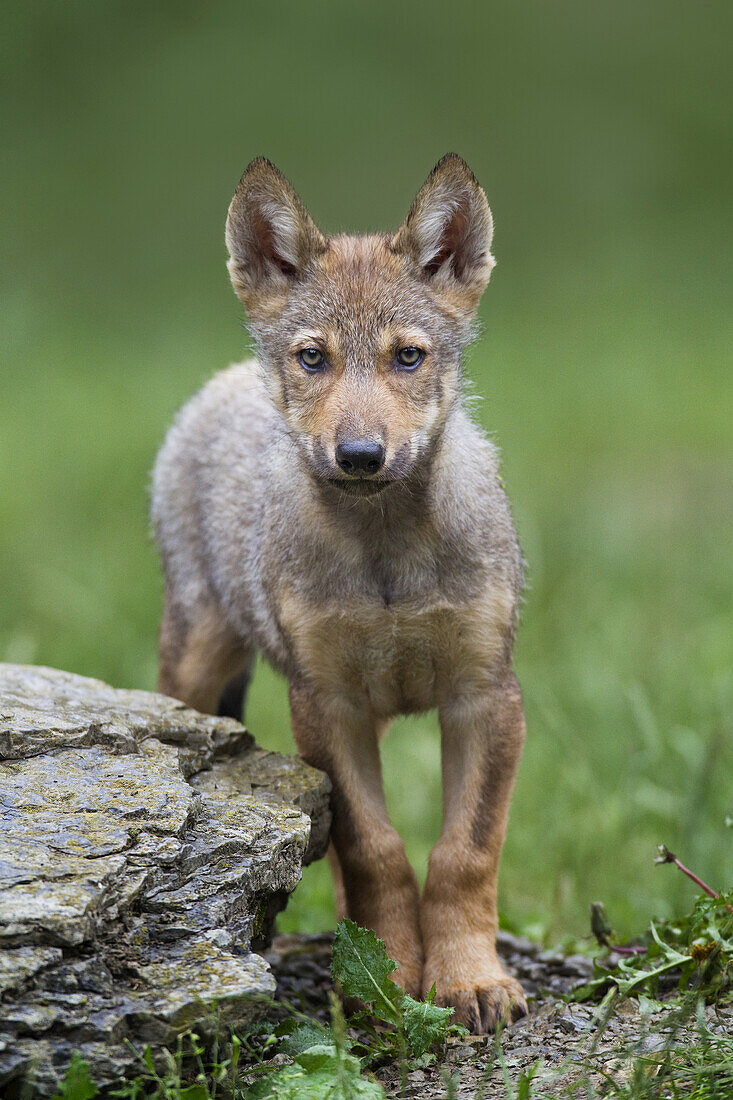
(602,135)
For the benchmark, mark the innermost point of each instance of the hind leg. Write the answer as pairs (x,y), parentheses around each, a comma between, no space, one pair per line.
(199,657)
(234,695)
(339,893)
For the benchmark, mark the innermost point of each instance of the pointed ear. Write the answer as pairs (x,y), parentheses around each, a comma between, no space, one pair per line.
(447,232)
(271,237)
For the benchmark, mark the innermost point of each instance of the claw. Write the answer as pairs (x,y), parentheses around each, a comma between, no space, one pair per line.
(484,1008)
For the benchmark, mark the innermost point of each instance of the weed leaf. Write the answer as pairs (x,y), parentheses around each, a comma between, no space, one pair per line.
(321,1073)
(363,967)
(425,1024)
(199,1091)
(303,1036)
(77,1084)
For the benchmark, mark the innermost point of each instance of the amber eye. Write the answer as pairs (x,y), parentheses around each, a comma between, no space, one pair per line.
(409,358)
(312,359)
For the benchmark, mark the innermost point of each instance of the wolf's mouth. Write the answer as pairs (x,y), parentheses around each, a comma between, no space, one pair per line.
(358,487)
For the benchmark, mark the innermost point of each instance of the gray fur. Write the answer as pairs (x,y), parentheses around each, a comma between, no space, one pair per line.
(390,590)
(234,503)
(245,502)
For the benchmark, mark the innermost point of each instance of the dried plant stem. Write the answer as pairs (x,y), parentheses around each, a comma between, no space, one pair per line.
(665,856)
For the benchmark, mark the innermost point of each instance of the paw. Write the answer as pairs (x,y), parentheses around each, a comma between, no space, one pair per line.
(482,1008)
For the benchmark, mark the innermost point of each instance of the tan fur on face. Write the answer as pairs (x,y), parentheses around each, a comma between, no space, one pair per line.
(362,393)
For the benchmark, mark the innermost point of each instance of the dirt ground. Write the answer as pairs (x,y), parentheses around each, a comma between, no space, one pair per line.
(556,1036)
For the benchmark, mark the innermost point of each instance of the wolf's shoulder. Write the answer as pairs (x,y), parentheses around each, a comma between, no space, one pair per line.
(241,385)
(469,455)
(234,400)
(470,500)
(227,421)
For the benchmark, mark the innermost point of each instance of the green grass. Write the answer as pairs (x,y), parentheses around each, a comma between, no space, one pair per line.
(600,134)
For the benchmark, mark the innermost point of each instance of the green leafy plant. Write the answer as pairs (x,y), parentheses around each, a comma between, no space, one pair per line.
(77,1084)
(324,1072)
(186,1075)
(328,1061)
(694,952)
(322,1068)
(363,969)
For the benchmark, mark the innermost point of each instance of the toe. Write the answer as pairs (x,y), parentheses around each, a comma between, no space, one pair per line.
(466,1010)
(501,1004)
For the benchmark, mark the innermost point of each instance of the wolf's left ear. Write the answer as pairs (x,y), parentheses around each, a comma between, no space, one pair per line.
(271,238)
(448,229)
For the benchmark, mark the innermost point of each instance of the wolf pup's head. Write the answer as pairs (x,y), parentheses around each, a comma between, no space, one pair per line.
(361,338)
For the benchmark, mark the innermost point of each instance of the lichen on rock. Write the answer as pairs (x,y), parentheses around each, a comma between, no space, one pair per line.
(144,851)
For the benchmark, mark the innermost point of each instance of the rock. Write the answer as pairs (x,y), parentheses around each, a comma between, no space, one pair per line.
(516,945)
(144,852)
(574,1019)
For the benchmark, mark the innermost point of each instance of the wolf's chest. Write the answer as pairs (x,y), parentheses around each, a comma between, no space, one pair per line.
(402,656)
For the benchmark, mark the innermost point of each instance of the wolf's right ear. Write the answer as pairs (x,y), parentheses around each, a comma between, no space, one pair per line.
(271,238)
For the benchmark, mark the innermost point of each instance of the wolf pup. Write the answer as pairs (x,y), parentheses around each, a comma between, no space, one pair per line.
(332,505)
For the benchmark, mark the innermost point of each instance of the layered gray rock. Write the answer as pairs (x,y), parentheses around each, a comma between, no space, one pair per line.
(144,851)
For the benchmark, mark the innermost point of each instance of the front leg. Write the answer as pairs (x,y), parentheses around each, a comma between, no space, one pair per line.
(483,734)
(379,885)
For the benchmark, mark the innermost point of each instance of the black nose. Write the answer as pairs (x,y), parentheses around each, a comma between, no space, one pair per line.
(360,456)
